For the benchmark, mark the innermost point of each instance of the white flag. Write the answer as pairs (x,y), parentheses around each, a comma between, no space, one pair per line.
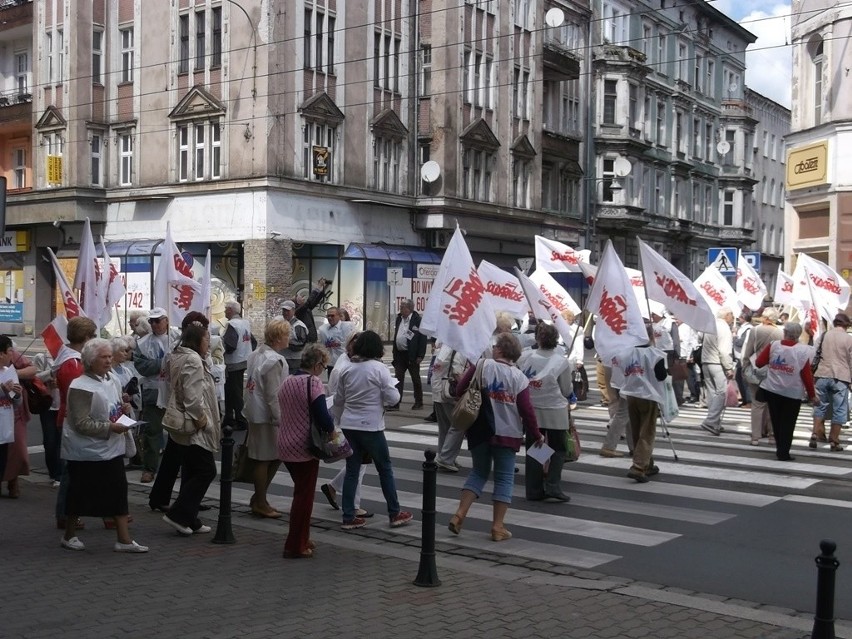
(554,292)
(545,310)
(784,286)
(69,300)
(750,288)
(202,301)
(637,283)
(619,325)
(458,312)
(503,290)
(557,257)
(674,290)
(88,278)
(814,307)
(174,289)
(715,289)
(113,286)
(828,285)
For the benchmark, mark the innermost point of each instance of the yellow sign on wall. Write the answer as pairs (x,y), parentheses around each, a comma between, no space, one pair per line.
(807,166)
(54,169)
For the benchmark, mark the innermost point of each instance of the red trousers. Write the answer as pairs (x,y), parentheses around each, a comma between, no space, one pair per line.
(304,475)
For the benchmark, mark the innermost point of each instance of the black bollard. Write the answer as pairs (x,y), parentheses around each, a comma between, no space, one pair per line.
(224,532)
(826,567)
(427,573)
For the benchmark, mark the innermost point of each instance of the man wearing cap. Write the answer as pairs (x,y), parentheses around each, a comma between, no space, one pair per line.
(764,333)
(833,375)
(149,358)
(298,336)
(239,343)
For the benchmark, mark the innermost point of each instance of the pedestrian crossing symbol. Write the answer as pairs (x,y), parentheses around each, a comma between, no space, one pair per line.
(724,259)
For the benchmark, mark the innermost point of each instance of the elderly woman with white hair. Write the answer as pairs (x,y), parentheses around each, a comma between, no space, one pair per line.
(760,337)
(717,366)
(94,445)
(788,379)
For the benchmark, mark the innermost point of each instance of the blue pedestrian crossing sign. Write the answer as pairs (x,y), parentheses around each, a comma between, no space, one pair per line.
(724,259)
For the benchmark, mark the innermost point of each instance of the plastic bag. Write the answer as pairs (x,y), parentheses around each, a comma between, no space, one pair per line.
(732,398)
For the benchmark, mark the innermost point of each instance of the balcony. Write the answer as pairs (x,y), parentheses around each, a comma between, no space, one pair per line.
(559,63)
(15,13)
(15,107)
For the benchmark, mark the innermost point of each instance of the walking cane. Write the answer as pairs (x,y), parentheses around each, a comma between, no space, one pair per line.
(668,436)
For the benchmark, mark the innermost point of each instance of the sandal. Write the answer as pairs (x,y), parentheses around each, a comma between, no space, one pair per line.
(455,524)
(836,447)
(813,442)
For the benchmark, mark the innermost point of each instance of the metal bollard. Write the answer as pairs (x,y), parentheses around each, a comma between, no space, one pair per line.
(826,567)
(427,573)
(224,532)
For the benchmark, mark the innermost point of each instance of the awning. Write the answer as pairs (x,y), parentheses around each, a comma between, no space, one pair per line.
(390,253)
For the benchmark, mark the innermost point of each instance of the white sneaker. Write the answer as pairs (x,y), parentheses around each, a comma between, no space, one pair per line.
(202,530)
(73,544)
(131,547)
(54,484)
(183,530)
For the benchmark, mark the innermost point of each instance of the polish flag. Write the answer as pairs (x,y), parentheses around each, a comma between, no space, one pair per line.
(55,335)
(675,291)
(715,289)
(750,288)
(784,290)
(554,292)
(557,257)
(503,289)
(174,289)
(458,311)
(88,278)
(113,286)
(619,323)
(69,300)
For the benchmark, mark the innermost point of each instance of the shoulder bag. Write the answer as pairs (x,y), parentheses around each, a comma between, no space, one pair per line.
(320,446)
(175,421)
(447,383)
(818,357)
(467,409)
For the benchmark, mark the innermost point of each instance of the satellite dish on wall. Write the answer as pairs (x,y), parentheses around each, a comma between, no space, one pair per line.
(723,147)
(554,17)
(430,171)
(622,167)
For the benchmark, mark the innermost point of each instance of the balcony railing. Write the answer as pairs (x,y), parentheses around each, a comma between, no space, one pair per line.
(6,4)
(8,98)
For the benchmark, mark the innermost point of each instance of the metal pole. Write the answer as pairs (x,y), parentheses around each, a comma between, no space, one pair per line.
(427,574)
(224,532)
(826,567)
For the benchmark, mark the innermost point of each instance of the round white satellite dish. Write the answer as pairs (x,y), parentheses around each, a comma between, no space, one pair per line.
(723,147)
(430,171)
(554,17)
(622,167)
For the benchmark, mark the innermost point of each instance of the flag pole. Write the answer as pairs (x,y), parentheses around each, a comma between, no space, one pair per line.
(642,268)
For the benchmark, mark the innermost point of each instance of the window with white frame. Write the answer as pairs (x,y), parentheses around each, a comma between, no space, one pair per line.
(521,177)
(477,170)
(708,142)
(610,101)
(386,160)
(659,203)
(19,167)
(646,107)
(386,54)
(683,62)
(60,56)
(318,42)
(707,218)
(817,59)
(697,146)
(698,78)
(772,193)
(50,62)
(632,106)
(647,36)
(22,73)
(316,134)
(661,53)
(608,177)
(615,23)
(54,144)
(216,40)
(127,51)
(199,40)
(425,70)
(199,150)
(765,144)
(772,146)
(728,208)
(478,78)
(125,159)
(183,50)
(522,13)
(661,123)
(97,55)
(520,98)
(710,84)
(678,132)
(96,158)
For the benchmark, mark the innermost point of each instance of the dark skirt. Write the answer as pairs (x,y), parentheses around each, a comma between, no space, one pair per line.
(97,488)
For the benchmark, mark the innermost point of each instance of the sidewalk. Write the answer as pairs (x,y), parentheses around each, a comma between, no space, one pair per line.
(358,584)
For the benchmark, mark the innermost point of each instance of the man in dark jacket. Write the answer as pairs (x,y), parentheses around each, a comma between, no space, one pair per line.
(409,349)
(304,310)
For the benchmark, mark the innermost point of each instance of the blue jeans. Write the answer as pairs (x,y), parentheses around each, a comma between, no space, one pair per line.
(504,471)
(836,394)
(374,444)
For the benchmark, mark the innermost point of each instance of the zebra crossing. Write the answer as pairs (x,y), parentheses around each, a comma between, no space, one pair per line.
(609,516)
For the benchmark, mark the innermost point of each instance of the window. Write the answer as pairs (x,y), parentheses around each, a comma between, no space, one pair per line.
(678,133)
(425,70)
(386,52)
(772,147)
(646,41)
(48,47)
(318,39)
(477,168)
(199,151)
(200,39)
(708,142)
(329,59)
(728,209)
(60,56)
(19,157)
(632,106)
(661,54)
(183,56)
(520,97)
(608,177)
(307,40)
(521,172)
(125,150)
(659,203)
(610,101)
(386,157)
(216,44)
(97,55)
(126,36)
(22,73)
(683,62)
(817,59)
(765,144)
(772,193)
(697,146)
(661,123)
(710,85)
(699,72)
(614,23)
(95,155)
(323,136)
(647,115)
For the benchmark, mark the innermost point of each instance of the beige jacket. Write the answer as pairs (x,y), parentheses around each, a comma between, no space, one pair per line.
(195,392)
(836,359)
(760,336)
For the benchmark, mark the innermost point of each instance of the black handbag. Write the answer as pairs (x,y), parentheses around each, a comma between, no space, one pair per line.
(320,446)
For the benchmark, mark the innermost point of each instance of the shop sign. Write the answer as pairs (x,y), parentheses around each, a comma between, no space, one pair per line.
(322,158)
(54,169)
(14,242)
(807,166)
(421,286)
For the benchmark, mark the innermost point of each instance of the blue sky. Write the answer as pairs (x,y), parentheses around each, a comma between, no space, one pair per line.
(769,61)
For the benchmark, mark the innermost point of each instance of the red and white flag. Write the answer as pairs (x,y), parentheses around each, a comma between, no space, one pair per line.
(113,286)
(458,311)
(202,302)
(557,257)
(619,323)
(784,290)
(589,271)
(637,283)
(554,292)
(715,289)
(174,289)
(750,288)
(503,289)
(88,278)
(674,290)
(55,335)
(829,287)
(814,307)
(544,309)
(69,300)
